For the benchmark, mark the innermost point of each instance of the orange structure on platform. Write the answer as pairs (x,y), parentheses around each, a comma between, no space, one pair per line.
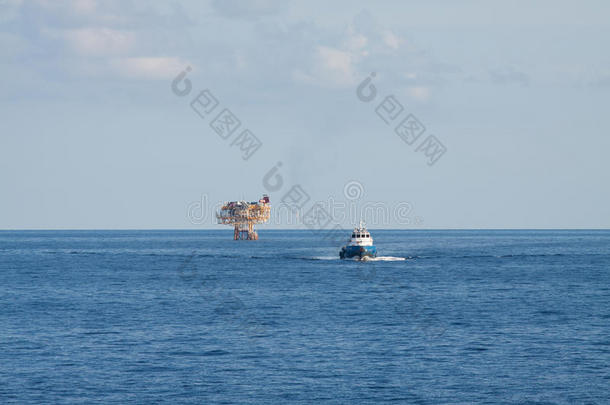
(244,215)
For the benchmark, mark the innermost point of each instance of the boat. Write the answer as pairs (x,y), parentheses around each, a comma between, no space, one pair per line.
(360,246)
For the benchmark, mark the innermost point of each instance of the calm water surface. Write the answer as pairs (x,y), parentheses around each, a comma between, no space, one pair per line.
(447,317)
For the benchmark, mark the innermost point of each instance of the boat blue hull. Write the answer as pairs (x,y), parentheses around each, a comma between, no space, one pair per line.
(348,252)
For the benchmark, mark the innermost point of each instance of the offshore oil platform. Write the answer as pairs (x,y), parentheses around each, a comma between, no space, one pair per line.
(244,215)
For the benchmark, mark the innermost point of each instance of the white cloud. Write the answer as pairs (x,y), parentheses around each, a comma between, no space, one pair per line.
(84,6)
(335,60)
(75,13)
(331,66)
(419,93)
(391,40)
(99,41)
(355,41)
(148,67)
(89,38)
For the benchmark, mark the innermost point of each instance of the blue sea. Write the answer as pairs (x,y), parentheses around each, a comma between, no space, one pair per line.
(443,317)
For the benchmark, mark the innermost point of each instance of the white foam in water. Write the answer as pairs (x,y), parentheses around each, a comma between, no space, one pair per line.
(365,259)
(368,259)
(387,259)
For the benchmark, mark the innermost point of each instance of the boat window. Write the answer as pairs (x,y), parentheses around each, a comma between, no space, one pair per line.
(367,236)
(353,235)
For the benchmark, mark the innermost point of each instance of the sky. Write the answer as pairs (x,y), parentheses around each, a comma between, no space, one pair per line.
(99,131)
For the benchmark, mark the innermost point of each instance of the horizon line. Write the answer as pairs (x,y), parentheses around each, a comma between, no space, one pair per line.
(298,229)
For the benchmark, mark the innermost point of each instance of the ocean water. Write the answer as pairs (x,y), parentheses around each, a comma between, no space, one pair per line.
(445,317)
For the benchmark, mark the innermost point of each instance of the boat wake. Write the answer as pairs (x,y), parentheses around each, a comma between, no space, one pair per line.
(387,259)
(377,259)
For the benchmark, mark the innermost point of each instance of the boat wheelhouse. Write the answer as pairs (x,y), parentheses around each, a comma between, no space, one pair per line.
(360,245)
